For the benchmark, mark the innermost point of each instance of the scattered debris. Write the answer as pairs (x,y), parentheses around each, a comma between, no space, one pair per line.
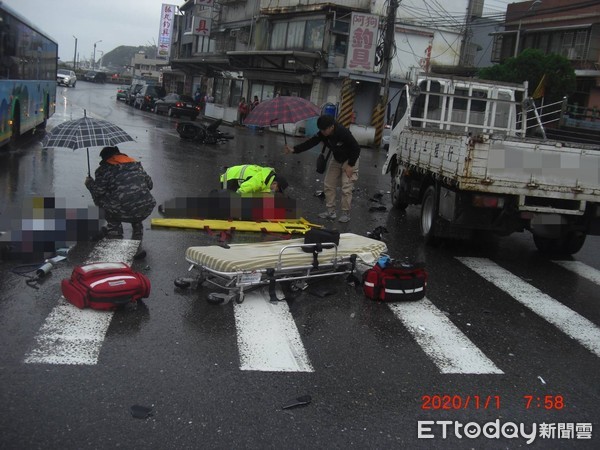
(376,233)
(298,401)
(541,379)
(322,292)
(141,412)
(377,208)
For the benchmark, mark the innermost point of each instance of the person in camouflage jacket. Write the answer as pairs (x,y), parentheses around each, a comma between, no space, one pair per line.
(122,188)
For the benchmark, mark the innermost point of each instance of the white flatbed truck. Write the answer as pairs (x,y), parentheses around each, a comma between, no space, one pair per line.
(475,156)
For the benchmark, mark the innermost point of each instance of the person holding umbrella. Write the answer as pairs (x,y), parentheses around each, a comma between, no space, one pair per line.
(122,188)
(342,169)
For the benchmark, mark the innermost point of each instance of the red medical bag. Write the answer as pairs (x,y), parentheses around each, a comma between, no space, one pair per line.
(105,285)
(395,282)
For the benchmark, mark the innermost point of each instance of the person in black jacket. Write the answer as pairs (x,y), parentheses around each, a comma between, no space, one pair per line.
(122,188)
(342,169)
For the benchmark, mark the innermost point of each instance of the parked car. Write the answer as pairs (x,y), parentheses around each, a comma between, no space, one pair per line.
(95,76)
(122,92)
(66,77)
(132,92)
(147,95)
(176,105)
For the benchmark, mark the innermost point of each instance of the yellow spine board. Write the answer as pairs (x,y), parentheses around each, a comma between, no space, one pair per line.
(273,226)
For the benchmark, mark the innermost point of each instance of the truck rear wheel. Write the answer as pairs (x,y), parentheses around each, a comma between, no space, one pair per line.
(568,244)
(429,214)
(399,189)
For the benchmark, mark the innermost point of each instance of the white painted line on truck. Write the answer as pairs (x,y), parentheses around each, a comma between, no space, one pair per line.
(581,269)
(71,335)
(563,318)
(441,340)
(267,336)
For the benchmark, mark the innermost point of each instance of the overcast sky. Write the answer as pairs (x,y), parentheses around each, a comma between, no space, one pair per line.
(114,22)
(127,22)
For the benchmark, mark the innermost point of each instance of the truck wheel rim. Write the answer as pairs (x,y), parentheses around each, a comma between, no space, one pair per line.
(427,215)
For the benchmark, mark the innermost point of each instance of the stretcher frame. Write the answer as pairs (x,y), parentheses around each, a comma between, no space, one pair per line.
(326,262)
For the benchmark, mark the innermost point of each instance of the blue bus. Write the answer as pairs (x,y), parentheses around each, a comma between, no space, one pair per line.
(28,63)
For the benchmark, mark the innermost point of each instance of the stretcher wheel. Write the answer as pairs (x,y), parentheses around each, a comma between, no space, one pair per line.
(239,298)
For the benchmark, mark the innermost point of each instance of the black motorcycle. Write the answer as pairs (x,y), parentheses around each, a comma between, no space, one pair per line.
(202,133)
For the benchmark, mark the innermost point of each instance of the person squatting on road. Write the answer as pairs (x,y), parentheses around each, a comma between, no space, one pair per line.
(122,188)
(249,178)
(342,169)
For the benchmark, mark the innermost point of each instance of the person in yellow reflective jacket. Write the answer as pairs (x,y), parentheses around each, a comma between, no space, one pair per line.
(249,178)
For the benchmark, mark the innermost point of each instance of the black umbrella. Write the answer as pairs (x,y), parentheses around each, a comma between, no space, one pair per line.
(85,133)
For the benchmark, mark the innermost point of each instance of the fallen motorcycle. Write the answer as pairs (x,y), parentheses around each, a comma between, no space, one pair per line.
(202,133)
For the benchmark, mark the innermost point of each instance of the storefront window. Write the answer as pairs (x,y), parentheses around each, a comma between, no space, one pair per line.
(262,91)
(278,37)
(236,92)
(295,35)
(314,34)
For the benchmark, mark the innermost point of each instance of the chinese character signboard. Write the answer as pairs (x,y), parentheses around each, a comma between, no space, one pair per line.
(364,30)
(165,33)
(201,26)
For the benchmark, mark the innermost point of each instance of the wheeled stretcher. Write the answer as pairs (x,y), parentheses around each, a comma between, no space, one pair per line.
(238,267)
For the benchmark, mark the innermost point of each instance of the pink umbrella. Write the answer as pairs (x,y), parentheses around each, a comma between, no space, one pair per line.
(281,110)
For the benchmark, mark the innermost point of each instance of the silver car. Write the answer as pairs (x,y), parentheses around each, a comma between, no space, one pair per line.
(66,77)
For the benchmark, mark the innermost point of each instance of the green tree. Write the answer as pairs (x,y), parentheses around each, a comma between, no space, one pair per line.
(531,65)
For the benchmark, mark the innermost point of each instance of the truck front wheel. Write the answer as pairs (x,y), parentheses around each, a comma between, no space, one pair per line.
(429,214)
(399,188)
(568,244)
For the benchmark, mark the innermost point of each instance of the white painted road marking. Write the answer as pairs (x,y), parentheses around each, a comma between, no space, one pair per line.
(267,336)
(441,340)
(74,336)
(565,319)
(581,269)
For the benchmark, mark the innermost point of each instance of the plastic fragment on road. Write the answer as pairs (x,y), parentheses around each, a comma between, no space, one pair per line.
(303,400)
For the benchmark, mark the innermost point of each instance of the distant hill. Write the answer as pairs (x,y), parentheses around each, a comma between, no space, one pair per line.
(122,55)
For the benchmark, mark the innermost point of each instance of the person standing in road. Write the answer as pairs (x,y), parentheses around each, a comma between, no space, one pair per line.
(342,169)
(250,178)
(122,188)
(243,110)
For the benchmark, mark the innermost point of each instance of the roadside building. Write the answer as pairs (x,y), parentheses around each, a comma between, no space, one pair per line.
(566,27)
(264,48)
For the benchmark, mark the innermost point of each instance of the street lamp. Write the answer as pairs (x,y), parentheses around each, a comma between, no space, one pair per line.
(529,12)
(75,55)
(94,57)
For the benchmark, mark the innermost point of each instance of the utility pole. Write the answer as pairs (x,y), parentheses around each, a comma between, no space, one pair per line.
(75,55)
(466,41)
(388,45)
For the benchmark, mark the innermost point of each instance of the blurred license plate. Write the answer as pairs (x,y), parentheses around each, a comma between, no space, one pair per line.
(250,278)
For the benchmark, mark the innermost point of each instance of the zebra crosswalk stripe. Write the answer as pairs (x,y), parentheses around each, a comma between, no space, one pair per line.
(581,269)
(73,336)
(268,338)
(562,317)
(441,340)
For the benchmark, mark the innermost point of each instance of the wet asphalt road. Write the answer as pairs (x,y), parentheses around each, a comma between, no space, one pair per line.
(179,354)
